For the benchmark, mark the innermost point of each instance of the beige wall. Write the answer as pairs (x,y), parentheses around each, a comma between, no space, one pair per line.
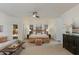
(49,21)
(67,19)
(7,21)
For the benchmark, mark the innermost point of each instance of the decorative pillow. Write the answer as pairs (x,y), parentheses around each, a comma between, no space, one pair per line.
(3,39)
(34,32)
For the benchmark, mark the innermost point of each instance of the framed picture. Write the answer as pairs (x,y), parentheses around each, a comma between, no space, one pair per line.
(1,28)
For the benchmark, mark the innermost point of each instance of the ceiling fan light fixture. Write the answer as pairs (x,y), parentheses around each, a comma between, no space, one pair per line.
(35,15)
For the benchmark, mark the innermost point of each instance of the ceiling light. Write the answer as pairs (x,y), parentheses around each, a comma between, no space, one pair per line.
(35,14)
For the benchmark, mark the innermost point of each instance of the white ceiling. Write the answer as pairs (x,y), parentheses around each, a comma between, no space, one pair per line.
(44,9)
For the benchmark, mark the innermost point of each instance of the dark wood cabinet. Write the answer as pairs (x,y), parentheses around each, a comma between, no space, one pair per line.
(71,43)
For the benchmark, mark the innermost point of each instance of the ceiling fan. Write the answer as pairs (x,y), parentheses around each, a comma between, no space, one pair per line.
(35,14)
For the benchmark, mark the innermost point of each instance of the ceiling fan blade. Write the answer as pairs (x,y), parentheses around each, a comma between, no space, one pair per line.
(37,16)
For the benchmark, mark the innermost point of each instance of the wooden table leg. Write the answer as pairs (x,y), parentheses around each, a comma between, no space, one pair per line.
(4,53)
(10,53)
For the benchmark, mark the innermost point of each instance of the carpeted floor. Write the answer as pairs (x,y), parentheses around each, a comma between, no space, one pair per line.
(52,48)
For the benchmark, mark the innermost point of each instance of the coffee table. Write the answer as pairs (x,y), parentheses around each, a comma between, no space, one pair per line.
(12,49)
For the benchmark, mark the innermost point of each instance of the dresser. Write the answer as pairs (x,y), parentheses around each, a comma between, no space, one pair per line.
(71,43)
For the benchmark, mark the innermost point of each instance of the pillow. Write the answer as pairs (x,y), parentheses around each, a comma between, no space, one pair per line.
(3,39)
(34,32)
(43,32)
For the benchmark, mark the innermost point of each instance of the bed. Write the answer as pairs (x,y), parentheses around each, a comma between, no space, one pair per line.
(38,34)
(44,38)
(41,36)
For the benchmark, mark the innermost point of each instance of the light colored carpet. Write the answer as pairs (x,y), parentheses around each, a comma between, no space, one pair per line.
(52,48)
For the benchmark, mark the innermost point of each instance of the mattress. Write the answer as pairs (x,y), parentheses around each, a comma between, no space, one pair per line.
(7,43)
(38,36)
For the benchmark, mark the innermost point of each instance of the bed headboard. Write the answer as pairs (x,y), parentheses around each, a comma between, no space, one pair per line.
(35,29)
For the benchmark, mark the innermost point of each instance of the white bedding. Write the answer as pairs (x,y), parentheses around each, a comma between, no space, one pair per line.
(38,36)
(5,44)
